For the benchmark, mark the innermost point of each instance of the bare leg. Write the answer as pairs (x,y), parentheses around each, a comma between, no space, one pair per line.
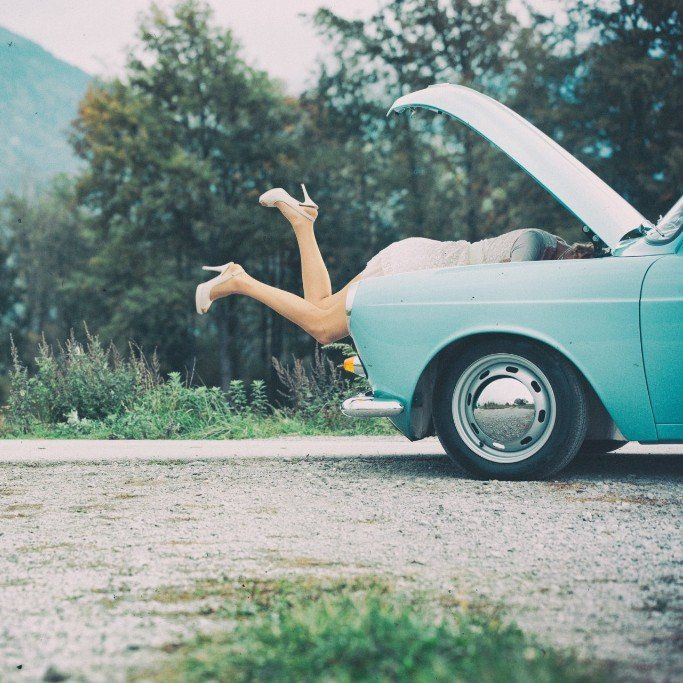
(316,279)
(325,325)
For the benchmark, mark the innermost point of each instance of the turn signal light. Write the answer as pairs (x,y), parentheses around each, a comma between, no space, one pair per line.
(354,366)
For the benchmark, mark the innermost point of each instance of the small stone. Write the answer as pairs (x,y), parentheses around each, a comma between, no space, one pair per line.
(52,673)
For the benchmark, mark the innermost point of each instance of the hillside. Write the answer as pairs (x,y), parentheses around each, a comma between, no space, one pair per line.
(40,95)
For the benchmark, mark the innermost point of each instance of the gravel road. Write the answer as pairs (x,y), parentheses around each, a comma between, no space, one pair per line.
(89,531)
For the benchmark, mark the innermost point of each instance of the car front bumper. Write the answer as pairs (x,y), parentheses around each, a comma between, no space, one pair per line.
(369,406)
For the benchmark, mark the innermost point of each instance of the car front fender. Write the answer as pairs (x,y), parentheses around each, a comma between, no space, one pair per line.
(587,310)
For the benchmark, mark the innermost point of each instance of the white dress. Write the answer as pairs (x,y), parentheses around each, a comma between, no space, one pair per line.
(421,253)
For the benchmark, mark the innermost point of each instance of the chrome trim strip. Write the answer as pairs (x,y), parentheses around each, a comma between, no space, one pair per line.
(369,406)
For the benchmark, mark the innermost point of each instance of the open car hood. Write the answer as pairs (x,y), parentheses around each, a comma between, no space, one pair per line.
(591,200)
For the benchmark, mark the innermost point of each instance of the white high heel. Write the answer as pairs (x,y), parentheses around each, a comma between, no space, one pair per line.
(202,297)
(277,194)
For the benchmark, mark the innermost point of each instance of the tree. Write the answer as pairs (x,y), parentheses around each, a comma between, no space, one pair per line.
(177,151)
(43,250)
(610,89)
(631,94)
(177,154)
(410,44)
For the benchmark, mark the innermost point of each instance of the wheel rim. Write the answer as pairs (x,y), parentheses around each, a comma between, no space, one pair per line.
(504,408)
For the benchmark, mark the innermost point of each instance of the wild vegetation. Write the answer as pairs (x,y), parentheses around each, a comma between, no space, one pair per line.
(175,153)
(89,391)
(359,629)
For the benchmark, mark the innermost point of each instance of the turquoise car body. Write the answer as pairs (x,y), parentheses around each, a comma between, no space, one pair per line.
(618,319)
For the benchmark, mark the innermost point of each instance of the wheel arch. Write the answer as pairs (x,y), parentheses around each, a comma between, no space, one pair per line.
(601,423)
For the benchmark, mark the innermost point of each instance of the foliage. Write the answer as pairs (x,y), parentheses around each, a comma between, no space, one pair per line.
(44,249)
(315,390)
(80,381)
(85,390)
(350,632)
(176,152)
(259,398)
(177,155)
(445,179)
(609,88)
(631,98)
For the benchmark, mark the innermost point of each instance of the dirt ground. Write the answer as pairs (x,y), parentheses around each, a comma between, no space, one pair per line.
(92,534)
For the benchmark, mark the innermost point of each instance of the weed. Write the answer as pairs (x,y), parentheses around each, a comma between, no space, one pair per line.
(359,630)
(87,391)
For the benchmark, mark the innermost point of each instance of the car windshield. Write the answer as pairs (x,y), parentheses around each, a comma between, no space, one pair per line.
(669,226)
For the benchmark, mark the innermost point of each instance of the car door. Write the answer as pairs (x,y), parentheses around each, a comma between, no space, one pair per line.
(661,310)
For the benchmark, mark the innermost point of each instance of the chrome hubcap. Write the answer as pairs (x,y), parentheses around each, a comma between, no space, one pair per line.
(504,408)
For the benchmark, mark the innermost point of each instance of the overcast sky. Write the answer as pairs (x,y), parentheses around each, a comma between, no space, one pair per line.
(93,34)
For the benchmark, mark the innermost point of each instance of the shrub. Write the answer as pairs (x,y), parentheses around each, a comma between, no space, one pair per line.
(259,399)
(79,381)
(87,391)
(314,391)
(170,409)
(237,396)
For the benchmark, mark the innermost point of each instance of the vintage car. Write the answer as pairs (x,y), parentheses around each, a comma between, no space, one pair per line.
(515,365)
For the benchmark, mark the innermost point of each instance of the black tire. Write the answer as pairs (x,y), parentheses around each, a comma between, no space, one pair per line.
(563,437)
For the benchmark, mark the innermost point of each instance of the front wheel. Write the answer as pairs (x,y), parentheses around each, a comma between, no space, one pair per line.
(510,409)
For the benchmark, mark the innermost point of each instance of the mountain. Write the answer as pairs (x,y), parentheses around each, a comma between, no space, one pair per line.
(39,97)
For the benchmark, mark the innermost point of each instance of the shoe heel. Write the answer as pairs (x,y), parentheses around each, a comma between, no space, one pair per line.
(202,302)
(217,269)
(307,200)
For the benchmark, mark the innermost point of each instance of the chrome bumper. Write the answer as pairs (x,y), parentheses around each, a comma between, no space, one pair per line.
(369,406)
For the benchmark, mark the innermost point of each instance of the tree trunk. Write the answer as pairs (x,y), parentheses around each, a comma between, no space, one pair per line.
(276,322)
(234,337)
(225,368)
(471,224)
(263,340)
(414,183)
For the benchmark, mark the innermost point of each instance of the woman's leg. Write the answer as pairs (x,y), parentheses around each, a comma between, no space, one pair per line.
(316,279)
(325,325)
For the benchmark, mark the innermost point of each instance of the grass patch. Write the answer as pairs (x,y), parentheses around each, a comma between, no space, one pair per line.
(168,426)
(618,499)
(360,629)
(248,595)
(86,391)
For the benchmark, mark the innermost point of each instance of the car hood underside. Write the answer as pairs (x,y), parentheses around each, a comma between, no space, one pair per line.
(590,199)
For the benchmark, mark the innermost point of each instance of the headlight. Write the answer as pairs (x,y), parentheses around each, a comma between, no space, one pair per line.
(350,296)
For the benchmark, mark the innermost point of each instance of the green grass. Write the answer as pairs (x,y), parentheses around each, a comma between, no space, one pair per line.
(361,629)
(169,425)
(91,392)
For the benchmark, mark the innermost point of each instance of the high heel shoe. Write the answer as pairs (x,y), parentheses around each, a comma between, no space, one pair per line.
(202,297)
(277,194)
